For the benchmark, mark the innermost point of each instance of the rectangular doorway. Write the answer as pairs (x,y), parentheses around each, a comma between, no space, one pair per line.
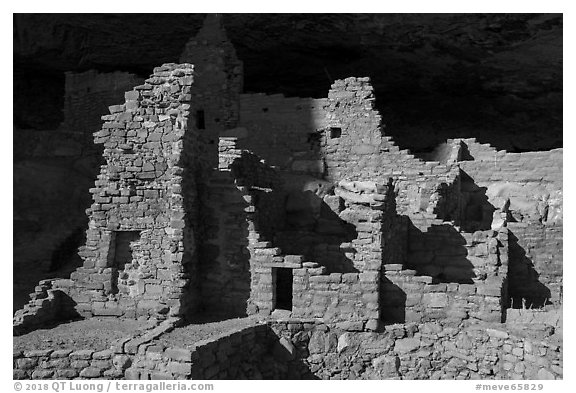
(283,288)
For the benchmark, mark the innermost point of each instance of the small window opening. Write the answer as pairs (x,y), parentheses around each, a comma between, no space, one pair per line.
(200,122)
(283,288)
(335,132)
(264,109)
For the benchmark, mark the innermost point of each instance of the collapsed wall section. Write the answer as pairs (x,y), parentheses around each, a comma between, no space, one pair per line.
(140,252)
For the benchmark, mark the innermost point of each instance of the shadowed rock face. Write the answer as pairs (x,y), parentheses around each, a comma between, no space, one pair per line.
(496,77)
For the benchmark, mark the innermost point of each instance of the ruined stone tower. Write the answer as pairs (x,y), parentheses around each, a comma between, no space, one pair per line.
(218,84)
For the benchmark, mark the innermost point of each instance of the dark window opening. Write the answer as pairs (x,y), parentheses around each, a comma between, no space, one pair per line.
(335,132)
(200,121)
(264,109)
(216,120)
(283,289)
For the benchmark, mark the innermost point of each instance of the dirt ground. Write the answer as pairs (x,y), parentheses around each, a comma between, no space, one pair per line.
(186,336)
(94,333)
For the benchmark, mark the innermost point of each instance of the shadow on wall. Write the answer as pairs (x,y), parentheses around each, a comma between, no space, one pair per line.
(65,258)
(477,212)
(224,265)
(439,252)
(524,288)
(315,230)
(285,356)
(53,312)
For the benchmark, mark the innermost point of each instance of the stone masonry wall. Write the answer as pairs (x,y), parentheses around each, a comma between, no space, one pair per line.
(532,181)
(334,296)
(419,351)
(237,354)
(449,279)
(355,148)
(307,349)
(536,259)
(146,188)
(527,187)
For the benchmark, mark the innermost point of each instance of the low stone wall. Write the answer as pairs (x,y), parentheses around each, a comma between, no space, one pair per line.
(309,349)
(86,363)
(233,355)
(69,364)
(420,351)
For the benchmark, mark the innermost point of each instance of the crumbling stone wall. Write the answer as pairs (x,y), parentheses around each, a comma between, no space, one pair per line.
(45,306)
(147,187)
